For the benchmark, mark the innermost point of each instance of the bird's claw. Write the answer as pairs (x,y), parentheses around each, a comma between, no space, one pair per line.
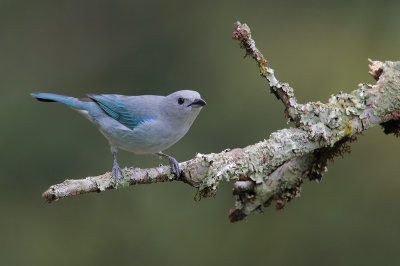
(173,163)
(116,171)
(174,166)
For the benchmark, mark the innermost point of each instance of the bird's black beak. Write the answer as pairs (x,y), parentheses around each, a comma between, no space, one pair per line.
(198,103)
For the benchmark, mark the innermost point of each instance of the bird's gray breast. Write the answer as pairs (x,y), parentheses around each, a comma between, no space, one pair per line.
(150,136)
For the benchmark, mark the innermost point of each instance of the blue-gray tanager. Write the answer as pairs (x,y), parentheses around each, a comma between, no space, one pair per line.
(139,124)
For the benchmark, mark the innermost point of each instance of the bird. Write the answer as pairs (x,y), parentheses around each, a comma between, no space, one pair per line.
(145,124)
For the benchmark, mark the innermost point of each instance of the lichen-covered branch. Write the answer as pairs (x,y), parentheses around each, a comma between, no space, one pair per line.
(274,169)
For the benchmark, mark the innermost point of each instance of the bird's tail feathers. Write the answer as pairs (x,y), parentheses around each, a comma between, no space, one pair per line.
(50,97)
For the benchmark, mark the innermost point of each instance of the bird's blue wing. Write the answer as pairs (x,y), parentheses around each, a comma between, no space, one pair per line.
(116,108)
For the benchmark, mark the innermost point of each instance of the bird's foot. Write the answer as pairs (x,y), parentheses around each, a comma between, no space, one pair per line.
(173,163)
(174,166)
(116,171)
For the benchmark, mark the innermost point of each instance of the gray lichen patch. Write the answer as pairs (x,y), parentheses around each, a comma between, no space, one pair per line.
(102,183)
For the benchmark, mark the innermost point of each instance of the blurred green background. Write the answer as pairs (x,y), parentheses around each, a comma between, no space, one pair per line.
(157,47)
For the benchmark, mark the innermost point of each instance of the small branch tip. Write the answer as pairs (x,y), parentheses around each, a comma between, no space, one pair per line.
(376,68)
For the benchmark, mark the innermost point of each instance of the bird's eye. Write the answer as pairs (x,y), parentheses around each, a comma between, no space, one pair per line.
(181,100)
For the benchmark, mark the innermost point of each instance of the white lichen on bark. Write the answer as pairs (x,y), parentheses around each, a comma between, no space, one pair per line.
(273,169)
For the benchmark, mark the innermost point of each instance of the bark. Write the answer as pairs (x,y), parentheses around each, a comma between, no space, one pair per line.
(274,169)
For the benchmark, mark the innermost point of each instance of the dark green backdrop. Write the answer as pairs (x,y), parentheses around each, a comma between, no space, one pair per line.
(157,47)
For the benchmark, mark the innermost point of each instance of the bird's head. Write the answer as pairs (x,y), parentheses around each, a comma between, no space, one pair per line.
(184,105)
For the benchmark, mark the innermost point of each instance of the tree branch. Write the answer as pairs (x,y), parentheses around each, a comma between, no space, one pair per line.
(274,169)
(282,91)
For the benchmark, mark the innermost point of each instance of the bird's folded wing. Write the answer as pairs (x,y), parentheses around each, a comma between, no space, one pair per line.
(116,108)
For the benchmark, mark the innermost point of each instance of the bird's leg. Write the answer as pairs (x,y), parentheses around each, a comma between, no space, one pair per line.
(116,170)
(173,163)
